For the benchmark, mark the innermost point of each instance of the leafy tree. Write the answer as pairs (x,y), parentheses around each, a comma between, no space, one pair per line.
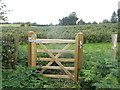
(106,21)
(114,17)
(89,23)
(28,24)
(51,24)
(2,12)
(64,21)
(94,22)
(118,14)
(70,20)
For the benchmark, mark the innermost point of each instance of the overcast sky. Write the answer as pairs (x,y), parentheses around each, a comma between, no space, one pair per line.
(50,11)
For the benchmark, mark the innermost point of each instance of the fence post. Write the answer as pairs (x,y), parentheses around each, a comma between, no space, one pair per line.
(16,41)
(114,45)
(78,54)
(32,49)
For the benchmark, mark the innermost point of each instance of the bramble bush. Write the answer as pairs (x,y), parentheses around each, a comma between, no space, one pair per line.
(7,52)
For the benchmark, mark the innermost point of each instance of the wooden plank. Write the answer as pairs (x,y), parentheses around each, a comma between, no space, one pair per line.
(54,67)
(59,59)
(55,59)
(68,45)
(32,57)
(55,76)
(56,41)
(57,51)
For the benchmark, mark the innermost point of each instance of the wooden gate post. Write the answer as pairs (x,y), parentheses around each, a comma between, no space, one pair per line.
(81,41)
(32,49)
(78,53)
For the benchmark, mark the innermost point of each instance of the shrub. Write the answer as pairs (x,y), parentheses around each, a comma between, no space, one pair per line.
(22,24)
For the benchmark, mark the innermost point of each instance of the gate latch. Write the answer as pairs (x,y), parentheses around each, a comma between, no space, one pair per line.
(80,44)
(30,40)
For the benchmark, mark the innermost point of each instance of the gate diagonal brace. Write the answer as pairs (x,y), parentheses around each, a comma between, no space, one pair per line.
(68,45)
(55,59)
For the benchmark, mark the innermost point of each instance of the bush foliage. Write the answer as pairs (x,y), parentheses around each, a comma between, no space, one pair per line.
(92,32)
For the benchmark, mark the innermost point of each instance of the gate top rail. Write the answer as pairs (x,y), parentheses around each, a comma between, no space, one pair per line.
(55,41)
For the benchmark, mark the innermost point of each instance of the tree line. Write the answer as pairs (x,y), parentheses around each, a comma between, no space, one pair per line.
(114,18)
(72,19)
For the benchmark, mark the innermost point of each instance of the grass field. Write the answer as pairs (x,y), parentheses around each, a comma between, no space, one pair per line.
(9,25)
(90,48)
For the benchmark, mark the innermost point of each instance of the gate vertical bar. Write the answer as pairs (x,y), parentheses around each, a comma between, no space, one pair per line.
(29,50)
(76,58)
(32,49)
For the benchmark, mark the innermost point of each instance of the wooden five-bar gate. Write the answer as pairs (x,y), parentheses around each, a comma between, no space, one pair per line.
(77,60)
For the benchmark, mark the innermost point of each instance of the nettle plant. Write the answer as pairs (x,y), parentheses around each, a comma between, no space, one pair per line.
(24,77)
(102,73)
